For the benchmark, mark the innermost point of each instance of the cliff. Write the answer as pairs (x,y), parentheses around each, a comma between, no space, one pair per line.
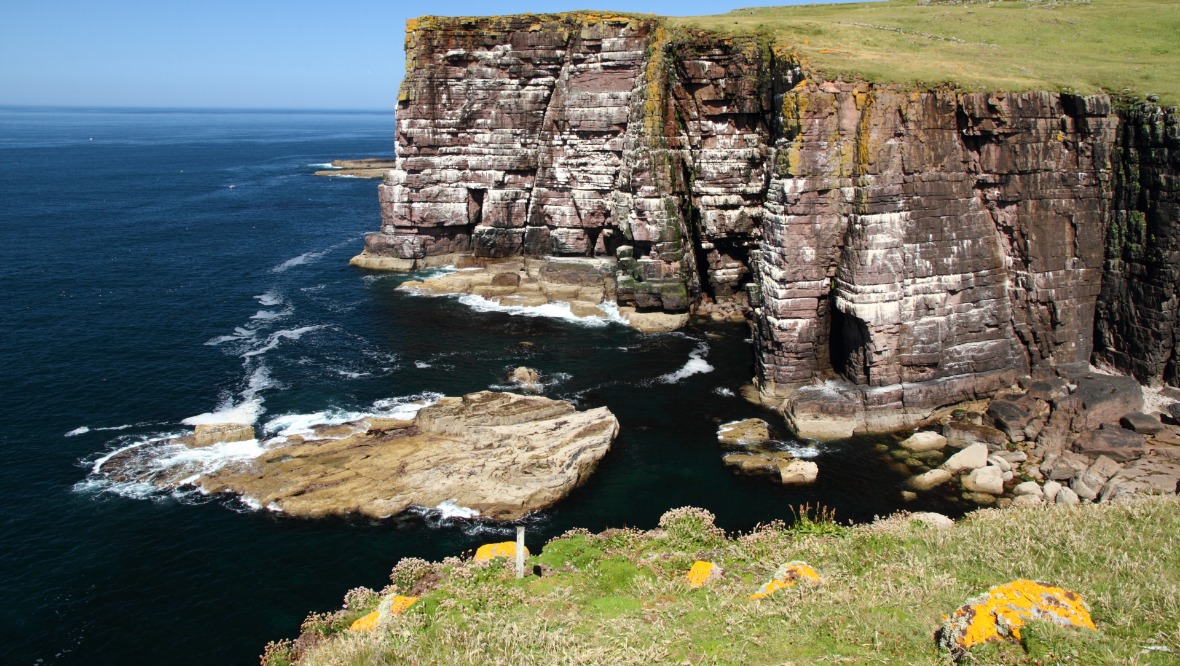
(899,247)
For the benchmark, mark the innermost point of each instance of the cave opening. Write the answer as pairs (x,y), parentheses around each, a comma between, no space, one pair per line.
(848,345)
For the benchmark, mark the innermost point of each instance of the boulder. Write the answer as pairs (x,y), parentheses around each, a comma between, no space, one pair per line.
(1028,488)
(1141,423)
(499,454)
(1028,500)
(749,432)
(999,614)
(208,434)
(758,462)
(999,462)
(985,480)
(1013,457)
(928,480)
(963,433)
(1174,410)
(526,378)
(924,441)
(1153,474)
(1086,485)
(972,457)
(1051,489)
(1067,497)
(1062,466)
(1114,442)
(1104,468)
(1050,389)
(798,472)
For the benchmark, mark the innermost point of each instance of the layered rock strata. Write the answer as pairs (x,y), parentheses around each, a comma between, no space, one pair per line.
(501,454)
(895,250)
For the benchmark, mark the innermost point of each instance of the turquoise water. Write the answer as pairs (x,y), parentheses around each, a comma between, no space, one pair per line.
(160,265)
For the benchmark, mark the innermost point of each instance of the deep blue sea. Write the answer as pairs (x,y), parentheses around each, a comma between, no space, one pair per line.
(161,265)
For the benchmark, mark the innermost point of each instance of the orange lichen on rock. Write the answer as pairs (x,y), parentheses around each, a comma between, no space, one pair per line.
(701,573)
(366,623)
(389,606)
(489,551)
(788,575)
(1004,609)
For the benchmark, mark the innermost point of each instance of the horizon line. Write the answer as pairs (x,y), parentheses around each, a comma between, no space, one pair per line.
(189,109)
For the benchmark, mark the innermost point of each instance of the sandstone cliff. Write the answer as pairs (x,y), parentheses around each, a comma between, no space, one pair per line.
(898,249)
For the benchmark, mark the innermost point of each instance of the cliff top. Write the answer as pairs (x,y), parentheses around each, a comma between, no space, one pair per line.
(1121,47)
(626,597)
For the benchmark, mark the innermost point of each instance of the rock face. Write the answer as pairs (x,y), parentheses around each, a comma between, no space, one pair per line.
(501,454)
(903,249)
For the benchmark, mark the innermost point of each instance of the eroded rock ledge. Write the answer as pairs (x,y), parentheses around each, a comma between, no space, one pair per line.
(501,454)
(902,249)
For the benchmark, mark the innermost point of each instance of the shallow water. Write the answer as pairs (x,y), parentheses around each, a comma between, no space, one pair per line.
(167,267)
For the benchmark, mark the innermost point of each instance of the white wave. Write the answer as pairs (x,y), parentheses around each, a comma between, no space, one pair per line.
(557,310)
(307,257)
(274,507)
(797,449)
(723,392)
(450,510)
(238,335)
(273,339)
(270,315)
(269,299)
(324,165)
(82,430)
(421,365)
(245,410)
(403,408)
(695,365)
(351,375)
(99,485)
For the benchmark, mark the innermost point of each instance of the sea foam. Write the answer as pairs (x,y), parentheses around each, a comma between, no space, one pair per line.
(695,365)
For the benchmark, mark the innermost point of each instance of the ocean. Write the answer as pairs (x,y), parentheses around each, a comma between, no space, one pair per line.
(159,266)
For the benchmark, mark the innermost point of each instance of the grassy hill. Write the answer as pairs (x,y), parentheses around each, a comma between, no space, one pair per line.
(1120,47)
(621,597)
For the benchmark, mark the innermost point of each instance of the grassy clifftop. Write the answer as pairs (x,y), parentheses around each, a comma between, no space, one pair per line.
(622,597)
(1084,46)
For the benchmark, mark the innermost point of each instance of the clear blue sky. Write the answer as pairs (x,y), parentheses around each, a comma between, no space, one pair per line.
(292,54)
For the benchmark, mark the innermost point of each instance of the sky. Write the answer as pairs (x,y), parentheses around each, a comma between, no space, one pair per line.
(266,54)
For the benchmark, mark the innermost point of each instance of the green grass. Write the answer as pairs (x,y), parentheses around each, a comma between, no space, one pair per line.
(620,598)
(1122,47)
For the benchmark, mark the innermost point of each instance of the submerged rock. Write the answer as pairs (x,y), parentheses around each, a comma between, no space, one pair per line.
(500,454)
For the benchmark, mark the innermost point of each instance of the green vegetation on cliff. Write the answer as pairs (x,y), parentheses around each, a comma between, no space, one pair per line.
(1119,47)
(622,597)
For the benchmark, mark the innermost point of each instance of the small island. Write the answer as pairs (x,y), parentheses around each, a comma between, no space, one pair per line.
(367,167)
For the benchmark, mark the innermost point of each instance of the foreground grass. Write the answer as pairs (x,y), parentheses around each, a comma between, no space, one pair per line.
(1085,46)
(620,597)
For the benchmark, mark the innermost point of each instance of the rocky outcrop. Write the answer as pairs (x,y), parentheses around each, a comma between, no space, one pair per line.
(500,454)
(896,250)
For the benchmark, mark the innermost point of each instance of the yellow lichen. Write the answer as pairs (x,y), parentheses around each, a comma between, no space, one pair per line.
(401,604)
(789,575)
(366,623)
(391,606)
(1006,608)
(700,573)
(492,550)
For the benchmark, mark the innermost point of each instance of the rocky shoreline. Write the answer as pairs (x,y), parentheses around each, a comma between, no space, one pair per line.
(1080,437)
(498,456)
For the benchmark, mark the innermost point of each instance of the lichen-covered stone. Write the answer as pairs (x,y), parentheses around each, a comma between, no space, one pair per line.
(1003,610)
(787,576)
(490,551)
(390,606)
(701,573)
